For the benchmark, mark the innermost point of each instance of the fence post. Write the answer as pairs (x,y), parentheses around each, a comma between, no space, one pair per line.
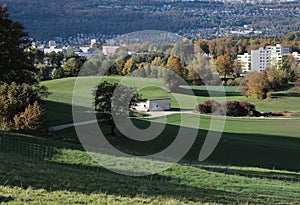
(46,153)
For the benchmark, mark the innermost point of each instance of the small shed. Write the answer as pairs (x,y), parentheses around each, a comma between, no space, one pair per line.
(155,104)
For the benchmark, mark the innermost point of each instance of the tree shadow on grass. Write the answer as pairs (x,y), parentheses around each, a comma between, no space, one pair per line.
(59,177)
(207,93)
(58,113)
(21,171)
(288,94)
(241,149)
(5,199)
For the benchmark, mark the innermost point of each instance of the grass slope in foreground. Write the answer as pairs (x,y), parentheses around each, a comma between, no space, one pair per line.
(55,181)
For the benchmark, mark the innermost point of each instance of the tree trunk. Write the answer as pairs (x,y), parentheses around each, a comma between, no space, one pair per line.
(112,130)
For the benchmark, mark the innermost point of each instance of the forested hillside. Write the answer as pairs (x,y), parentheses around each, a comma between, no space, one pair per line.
(47,19)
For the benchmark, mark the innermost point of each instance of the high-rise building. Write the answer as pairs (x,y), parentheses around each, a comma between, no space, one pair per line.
(268,57)
(260,59)
(277,53)
(296,55)
(93,41)
(244,62)
(52,44)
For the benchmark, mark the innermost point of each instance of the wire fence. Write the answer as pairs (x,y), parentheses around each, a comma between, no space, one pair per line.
(46,153)
(35,151)
(43,152)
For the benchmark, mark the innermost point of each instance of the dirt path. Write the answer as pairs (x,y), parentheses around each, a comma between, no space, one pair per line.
(153,114)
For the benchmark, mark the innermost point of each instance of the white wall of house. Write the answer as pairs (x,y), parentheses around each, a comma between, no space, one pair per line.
(157,104)
(51,49)
(141,106)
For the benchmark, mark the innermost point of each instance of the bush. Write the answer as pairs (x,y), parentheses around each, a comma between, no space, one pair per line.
(233,108)
(230,82)
(237,81)
(250,108)
(14,100)
(297,83)
(230,108)
(208,107)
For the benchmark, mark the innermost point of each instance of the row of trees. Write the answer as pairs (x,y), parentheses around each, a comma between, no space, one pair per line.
(234,45)
(56,65)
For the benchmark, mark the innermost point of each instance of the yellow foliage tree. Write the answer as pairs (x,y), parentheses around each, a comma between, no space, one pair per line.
(33,118)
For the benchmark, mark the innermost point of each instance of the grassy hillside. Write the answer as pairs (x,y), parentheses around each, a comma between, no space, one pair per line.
(59,102)
(245,142)
(56,180)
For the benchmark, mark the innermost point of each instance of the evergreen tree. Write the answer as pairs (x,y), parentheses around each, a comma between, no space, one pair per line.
(15,62)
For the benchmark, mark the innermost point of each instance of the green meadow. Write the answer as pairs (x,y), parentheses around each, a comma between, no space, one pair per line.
(70,176)
(255,162)
(269,143)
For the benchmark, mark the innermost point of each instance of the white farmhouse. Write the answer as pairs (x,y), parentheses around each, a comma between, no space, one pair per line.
(156,104)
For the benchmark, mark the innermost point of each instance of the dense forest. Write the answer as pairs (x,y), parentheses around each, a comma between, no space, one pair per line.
(45,20)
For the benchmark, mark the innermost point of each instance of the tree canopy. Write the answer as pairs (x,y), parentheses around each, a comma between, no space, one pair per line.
(109,104)
(15,62)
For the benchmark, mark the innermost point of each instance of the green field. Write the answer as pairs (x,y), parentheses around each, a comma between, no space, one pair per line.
(59,102)
(255,162)
(70,176)
(270,143)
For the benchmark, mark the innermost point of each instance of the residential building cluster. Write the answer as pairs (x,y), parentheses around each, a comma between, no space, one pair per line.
(262,58)
(53,46)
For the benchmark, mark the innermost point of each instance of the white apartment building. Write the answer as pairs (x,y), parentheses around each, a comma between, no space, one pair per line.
(271,56)
(279,49)
(244,62)
(263,58)
(52,49)
(277,54)
(296,56)
(109,49)
(260,59)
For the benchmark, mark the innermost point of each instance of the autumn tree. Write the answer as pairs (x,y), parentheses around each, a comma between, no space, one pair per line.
(15,62)
(174,74)
(129,67)
(224,65)
(260,85)
(20,107)
(70,68)
(255,85)
(289,68)
(200,70)
(175,65)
